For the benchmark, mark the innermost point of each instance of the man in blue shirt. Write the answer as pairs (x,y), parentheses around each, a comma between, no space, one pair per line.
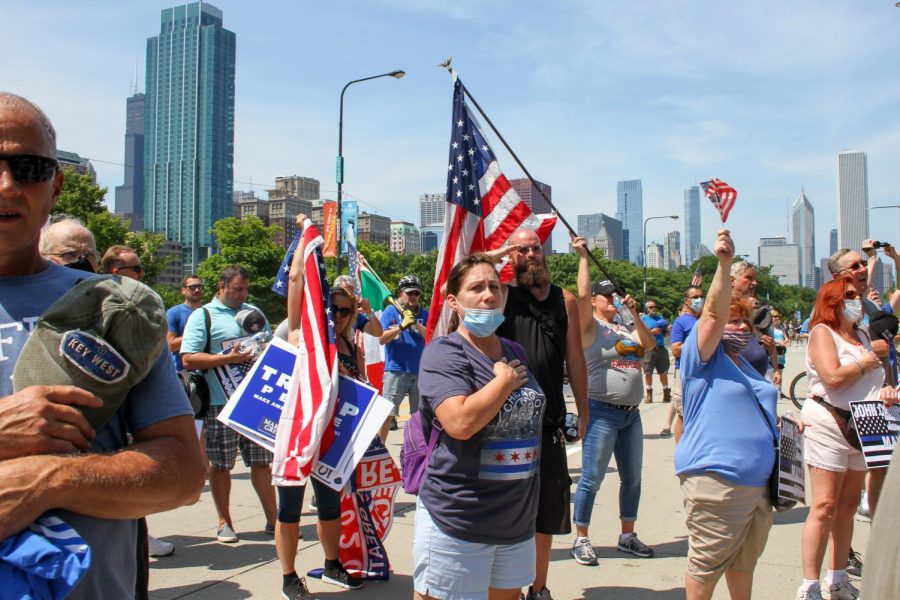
(658,358)
(681,327)
(177,316)
(403,340)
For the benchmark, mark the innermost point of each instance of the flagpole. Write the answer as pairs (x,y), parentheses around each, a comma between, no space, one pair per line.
(619,289)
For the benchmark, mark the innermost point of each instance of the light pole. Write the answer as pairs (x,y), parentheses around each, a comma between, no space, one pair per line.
(644,253)
(340,162)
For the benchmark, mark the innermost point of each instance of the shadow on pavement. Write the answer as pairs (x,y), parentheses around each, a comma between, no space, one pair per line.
(791,517)
(633,593)
(397,587)
(193,551)
(606,551)
(222,589)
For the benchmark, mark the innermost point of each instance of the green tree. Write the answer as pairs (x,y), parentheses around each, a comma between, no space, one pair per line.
(83,199)
(146,244)
(250,243)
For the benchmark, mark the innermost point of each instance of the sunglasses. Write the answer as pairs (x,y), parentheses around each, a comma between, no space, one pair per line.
(851,295)
(194,288)
(136,268)
(342,311)
(30,168)
(74,255)
(857,265)
(413,293)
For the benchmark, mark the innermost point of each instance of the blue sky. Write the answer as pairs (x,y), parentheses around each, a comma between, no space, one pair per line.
(762,94)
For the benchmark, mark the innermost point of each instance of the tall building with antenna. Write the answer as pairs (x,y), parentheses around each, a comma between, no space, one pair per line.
(189,124)
(130,195)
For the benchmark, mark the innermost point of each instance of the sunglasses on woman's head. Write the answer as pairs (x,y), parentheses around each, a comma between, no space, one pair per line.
(30,168)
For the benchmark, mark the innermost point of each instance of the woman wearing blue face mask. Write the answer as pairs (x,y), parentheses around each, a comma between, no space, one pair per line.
(475,516)
(727,452)
(841,367)
(613,352)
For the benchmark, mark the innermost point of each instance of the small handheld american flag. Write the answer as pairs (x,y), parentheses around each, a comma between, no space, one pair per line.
(721,194)
(697,278)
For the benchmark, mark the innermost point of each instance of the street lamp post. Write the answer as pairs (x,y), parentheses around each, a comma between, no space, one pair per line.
(340,162)
(644,252)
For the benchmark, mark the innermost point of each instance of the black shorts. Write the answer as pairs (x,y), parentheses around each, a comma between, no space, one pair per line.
(554,498)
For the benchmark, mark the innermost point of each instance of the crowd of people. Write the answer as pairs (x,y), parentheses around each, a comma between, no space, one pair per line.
(497,486)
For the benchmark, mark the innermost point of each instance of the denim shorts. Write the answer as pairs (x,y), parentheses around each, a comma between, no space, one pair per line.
(397,384)
(448,568)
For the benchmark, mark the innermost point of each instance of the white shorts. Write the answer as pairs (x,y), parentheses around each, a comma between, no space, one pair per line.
(448,568)
(824,446)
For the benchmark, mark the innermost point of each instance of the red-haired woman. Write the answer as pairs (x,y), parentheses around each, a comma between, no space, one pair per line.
(841,367)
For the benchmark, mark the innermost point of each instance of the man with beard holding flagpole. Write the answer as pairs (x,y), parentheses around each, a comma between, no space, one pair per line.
(543,318)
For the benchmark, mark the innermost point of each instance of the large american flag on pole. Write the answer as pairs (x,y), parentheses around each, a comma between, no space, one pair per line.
(483,210)
(721,194)
(312,396)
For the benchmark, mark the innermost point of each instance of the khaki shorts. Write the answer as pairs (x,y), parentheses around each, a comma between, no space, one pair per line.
(728,525)
(676,394)
(824,446)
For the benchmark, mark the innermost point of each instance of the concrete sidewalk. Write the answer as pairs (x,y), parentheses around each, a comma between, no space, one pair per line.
(203,568)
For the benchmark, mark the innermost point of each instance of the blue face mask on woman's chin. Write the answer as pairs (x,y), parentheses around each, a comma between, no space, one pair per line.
(482,322)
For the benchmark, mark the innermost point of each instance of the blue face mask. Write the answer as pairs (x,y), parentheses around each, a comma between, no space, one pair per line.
(482,322)
(696,304)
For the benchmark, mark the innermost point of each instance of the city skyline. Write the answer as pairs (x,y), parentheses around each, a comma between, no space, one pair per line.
(756,129)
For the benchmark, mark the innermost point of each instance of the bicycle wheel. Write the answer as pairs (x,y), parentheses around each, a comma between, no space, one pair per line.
(799,388)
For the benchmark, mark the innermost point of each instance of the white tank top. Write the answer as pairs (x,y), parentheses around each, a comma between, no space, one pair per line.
(867,387)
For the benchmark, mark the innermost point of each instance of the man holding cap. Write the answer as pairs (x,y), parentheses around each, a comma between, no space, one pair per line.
(403,340)
(52,458)
(200,351)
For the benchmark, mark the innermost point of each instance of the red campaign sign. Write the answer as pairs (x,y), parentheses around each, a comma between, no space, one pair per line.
(367,512)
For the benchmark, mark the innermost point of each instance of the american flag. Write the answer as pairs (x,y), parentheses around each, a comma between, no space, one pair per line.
(697,278)
(482,211)
(311,398)
(877,428)
(791,475)
(281,279)
(721,194)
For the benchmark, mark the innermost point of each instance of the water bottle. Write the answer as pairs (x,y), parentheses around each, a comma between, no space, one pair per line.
(625,315)
(254,343)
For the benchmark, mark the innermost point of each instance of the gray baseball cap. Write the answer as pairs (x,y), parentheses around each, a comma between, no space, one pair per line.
(104,335)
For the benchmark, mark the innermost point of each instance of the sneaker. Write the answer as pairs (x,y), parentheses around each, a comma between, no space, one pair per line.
(544,594)
(296,590)
(648,397)
(338,575)
(840,591)
(159,547)
(667,395)
(854,564)
(863,515)
(270,529)
(226,534)
(312,502)
(635,546)
(393,426)
(583,552)
(813,593)
(665,432)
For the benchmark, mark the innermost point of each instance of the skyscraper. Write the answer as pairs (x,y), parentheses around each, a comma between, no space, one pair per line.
(804,235)
(189,125)
(603,232)
(130,195)
(691,223)
(630,210)
(784,259)
(655,256)
(672,250)
(853,199)
(832,241)
(431,220)
(532,198)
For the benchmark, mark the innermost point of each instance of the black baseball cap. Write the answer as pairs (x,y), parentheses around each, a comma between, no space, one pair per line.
(603,288)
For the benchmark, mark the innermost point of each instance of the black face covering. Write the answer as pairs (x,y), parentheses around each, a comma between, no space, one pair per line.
(82,264)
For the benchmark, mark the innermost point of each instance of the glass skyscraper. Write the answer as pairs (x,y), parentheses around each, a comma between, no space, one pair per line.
(630,210)
(189,128)
(691,224)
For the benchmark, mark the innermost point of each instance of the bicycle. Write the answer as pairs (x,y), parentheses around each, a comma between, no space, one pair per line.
(798,390)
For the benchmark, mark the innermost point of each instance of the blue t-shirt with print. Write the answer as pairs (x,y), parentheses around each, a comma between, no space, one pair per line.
(653,323)
(223,328)
(158,397)
(404,352)
(728,430)
(680,330)
(177,317)
(485,489)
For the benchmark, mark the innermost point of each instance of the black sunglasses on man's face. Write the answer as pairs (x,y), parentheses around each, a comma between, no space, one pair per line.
(30,168)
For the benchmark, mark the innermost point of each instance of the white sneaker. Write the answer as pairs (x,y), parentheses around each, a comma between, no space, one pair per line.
(159,547)
(813,593)
(840,591)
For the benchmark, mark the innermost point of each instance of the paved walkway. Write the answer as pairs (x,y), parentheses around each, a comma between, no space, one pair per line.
(203,568)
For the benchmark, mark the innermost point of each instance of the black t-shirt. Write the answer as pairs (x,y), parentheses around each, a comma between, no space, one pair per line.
(540,327)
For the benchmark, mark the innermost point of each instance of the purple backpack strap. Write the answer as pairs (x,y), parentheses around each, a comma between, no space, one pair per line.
(436,430)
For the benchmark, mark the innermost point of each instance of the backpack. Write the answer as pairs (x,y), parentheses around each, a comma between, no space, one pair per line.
(193,382)
(416,450)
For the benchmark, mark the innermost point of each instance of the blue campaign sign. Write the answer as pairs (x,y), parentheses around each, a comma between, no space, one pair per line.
(256,406)
(354,398)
